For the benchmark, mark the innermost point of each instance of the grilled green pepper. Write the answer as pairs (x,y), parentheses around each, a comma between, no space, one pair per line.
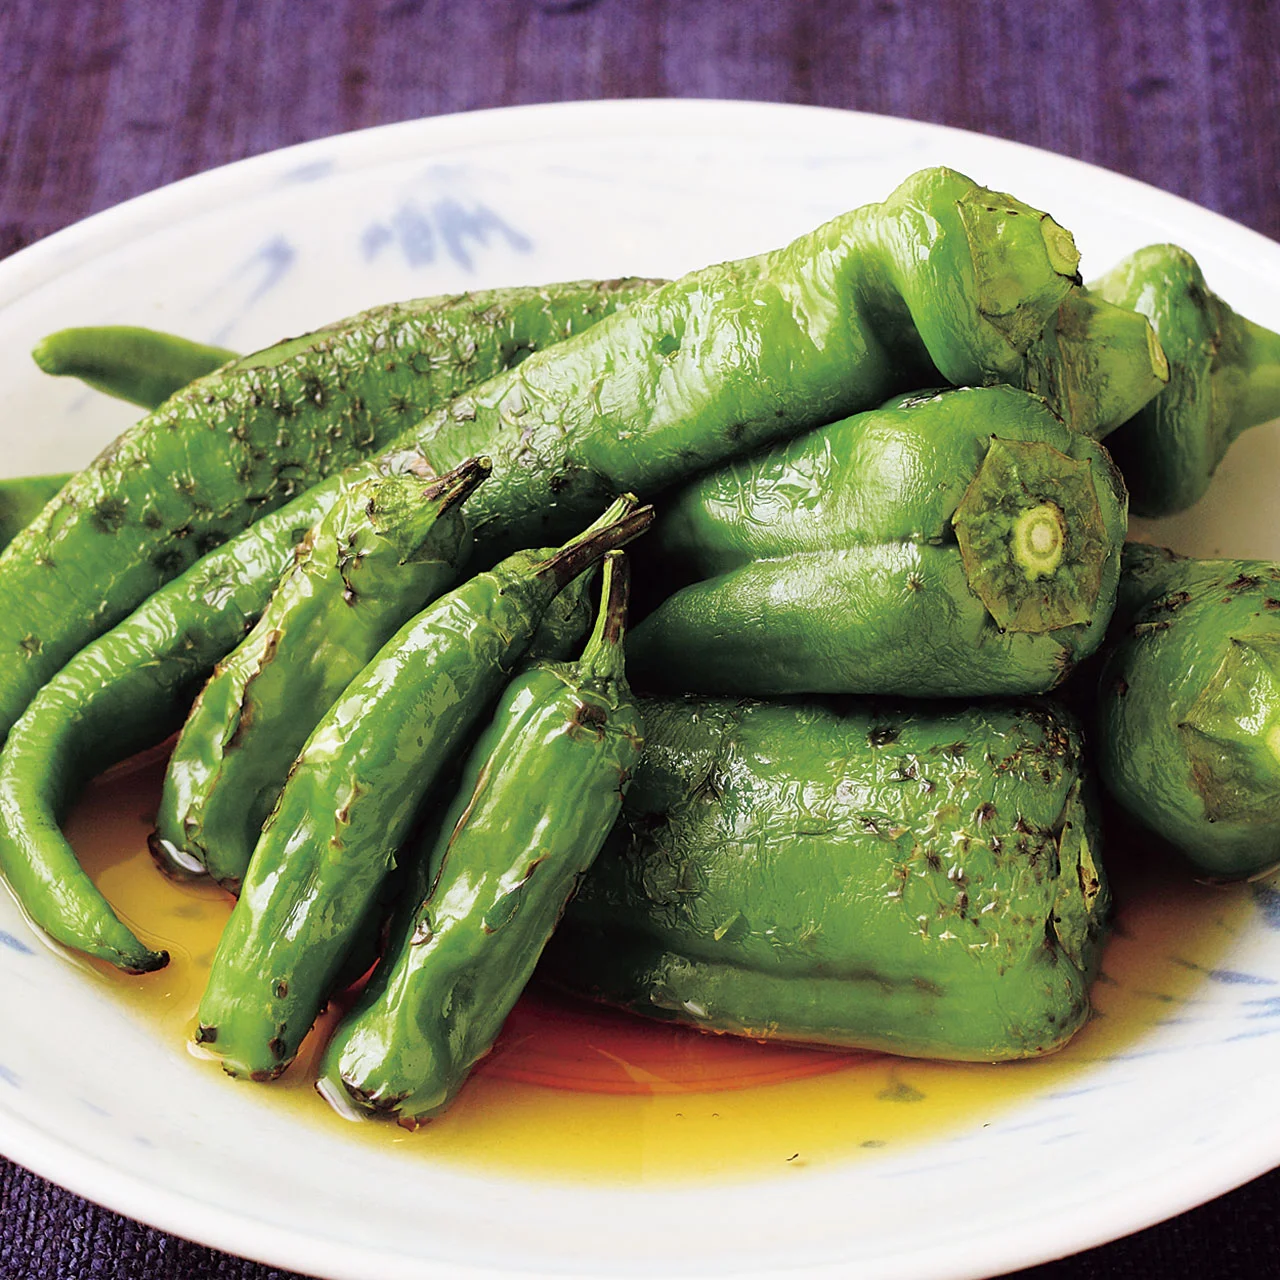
(378,557)
(142,366)
(914,880)
(353,792)
(1189,707)
(539,794)
(1224,377)
(957,543)
(232,446)
(944,278)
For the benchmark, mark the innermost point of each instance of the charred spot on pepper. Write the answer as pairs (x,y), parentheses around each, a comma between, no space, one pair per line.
(110,515)
(986,812)
(206,1034)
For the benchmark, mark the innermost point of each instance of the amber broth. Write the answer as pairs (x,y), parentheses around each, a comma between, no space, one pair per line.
(577,1092)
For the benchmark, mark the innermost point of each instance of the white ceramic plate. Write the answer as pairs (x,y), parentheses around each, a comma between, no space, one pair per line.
(245,254)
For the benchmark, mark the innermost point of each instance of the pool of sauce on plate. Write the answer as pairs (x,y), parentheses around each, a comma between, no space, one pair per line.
(577,1092)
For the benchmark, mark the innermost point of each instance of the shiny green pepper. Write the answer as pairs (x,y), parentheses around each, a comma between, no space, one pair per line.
(1189,707)
(961,543)
(1224,377)
(908,879)
(354,790)
(539,794)
(387,548)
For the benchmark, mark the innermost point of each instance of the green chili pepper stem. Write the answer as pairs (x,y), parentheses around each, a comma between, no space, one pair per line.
(142,366)
(1260,393)
(620,524)
(603,658)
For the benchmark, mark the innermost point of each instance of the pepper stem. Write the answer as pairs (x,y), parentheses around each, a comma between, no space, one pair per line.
(622,522)
(602,658)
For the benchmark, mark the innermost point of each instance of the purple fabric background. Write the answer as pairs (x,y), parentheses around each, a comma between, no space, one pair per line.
(101,100)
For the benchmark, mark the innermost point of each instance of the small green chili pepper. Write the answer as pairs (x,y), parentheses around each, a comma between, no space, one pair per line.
(962,543)
(1224,377)
(390,546)
(353,792)
(142,366)
(917,880)
(539,794)
(1189,707)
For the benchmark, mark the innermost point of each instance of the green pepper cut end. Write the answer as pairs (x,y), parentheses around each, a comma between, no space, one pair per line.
(1032,537)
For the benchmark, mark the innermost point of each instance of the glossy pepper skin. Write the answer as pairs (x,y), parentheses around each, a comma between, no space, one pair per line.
(335,833)
(1224,377)
(381,554)
(234,445)
(1188,734)
(943,278)
(142,366)
(916,880)
(960,543)
(539,794)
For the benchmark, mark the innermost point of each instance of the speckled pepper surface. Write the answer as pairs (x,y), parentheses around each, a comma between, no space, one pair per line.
(382,553)
(232,446)
(539,794)
(920,881)
(943,281)
(1224,377)
(355,788)
(961,543)
(1189,707)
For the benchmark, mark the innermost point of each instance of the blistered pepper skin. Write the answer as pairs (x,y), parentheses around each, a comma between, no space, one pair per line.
(539,793)
(908,879)
(242,441)
(388,548)
(1189,707)
(354,790)
(944,280)
(963,543)
(1224,378)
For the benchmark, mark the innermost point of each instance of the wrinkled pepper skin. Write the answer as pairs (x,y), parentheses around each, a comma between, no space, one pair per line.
(914,880)
(230,447)
(539,794)
(1224,377)
(961,543)
(944,278)
(387,549)
(352,794)
(143,366)
(1188,734)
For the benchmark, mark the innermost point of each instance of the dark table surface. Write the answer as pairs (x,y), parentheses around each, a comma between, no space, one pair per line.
(101,100)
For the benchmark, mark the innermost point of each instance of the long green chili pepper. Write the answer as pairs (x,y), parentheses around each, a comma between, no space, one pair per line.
(962,543)
(353,792)
(381,554)
(1189,707)
(238,443)
(142,366)
(944,273)
(1224,377)
(539,794)
(912,879)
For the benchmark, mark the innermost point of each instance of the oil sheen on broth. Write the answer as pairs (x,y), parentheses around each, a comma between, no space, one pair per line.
(632,1101)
